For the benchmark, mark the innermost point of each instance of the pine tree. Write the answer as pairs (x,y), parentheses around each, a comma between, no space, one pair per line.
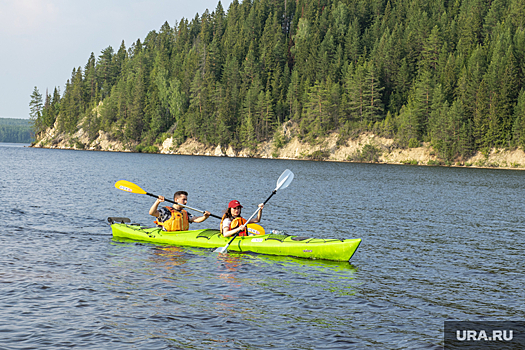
(53,109)
(409,125)
(105,71)
(519,121)
(90,82)
(373,105)
(294,96)
(73,104)
(355,92)
(420,101)
(509,94)
(431,50)
(197,107)
(249,115)
(353,41)
(317,111)
(135,122)
(35,111)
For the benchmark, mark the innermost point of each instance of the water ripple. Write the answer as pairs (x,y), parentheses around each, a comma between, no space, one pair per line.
(438,244)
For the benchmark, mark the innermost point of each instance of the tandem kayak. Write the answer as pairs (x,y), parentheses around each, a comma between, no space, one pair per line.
(270,244)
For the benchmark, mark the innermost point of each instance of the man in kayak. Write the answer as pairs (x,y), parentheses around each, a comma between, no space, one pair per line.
(175,218)
(233,223)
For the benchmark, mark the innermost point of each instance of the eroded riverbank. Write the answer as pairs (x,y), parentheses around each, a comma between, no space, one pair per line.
(365,148)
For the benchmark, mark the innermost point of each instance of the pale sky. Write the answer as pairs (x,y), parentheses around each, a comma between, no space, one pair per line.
(41,41)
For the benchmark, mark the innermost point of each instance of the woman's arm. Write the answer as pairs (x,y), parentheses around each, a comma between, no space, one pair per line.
(230,233)
(259,215)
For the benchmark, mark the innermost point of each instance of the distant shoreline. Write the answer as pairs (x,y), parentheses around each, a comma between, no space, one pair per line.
(15,144)
(16,130)
(328,151)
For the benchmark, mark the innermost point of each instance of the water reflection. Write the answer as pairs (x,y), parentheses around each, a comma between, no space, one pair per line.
(169,256)
(291,261)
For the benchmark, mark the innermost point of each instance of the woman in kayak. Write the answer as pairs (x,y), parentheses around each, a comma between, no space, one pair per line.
(233,223)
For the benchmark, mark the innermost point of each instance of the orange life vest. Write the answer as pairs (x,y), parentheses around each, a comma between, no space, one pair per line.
(178,221)
(238,221)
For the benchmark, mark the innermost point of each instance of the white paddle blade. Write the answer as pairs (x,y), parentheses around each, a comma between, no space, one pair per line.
(221,249)
(285,179)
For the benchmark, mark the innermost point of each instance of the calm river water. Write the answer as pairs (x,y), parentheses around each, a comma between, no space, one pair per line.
(438,244)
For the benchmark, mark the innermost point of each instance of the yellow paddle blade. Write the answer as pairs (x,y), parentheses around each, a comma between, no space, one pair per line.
(256,229)
(129,187)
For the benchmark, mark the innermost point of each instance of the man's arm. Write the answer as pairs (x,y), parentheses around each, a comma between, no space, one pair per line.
(153,211)
(201,218)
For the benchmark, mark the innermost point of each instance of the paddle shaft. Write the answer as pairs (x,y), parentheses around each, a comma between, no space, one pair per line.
(182,205)
(231,240)
(267,199)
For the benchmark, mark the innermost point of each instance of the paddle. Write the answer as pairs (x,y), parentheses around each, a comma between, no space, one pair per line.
(284,180)
(132,188)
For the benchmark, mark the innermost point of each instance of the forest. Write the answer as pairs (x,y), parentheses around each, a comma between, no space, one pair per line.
(15,130)
(448,72)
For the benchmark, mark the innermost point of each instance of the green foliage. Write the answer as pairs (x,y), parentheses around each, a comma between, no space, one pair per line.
(146,149)
(410,162)
(76,143)
(413,143)
(79,145)
(446,72)
(369,153)
(481,163)
(319,155)
(279,140)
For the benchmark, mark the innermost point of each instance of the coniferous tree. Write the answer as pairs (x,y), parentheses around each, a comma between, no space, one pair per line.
(317,111)
(372,105)
(519,120)
(90,82)
(135,123)
(35,110)
(105,71)
(294,96)
(249,115)
(355,92)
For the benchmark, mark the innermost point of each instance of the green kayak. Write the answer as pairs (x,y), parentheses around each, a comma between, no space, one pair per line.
(270,244)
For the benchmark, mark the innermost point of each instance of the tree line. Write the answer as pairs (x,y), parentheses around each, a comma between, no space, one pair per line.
(15,130)
(440,71)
